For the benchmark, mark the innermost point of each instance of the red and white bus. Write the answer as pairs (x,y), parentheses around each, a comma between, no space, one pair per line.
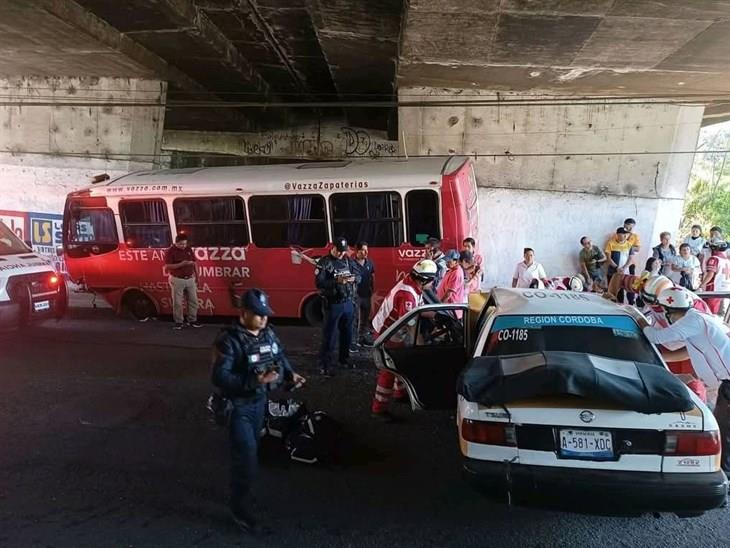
(262,226)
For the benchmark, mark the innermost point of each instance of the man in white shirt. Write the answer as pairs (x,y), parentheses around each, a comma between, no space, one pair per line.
(707,342)
(529,273)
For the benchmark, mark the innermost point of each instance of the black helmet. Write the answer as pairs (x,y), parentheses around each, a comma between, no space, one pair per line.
(257,302)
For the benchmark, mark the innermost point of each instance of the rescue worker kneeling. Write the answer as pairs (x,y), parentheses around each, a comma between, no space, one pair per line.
(249,362)
(404,297)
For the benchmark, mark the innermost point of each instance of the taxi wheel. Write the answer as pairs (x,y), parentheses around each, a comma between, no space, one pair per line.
(313,311)
(689,514)
(139,306)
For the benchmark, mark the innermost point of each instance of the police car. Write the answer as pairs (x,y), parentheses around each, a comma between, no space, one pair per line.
(560,394)
(30,288)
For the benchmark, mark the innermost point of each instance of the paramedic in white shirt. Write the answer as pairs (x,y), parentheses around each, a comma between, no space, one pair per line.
(707,342)
(528,272)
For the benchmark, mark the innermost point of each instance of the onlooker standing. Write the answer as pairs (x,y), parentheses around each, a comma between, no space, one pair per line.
(180,265)
(528,272)
(469,244)
(591,263)
(666,252)
(686,268)
(618,254)
(635,241)
(695,241)
(472,273)
(365,267)
(451,289)
(433,252)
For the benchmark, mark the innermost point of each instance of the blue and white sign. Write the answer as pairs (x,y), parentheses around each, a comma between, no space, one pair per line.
(574,320)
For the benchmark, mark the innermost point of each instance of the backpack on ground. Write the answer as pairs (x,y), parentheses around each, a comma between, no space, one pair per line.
(316,439)
(283,416)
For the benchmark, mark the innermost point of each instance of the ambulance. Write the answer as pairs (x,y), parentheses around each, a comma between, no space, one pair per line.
(30,288)
(559,395)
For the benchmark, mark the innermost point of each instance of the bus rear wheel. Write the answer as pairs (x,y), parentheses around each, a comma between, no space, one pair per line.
(313,311)
(139,306)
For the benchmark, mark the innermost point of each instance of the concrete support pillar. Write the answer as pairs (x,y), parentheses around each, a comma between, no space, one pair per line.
(49,149)
(551,173)
(60,137)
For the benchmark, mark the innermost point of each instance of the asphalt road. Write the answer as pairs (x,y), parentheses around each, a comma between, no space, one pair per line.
(104,441)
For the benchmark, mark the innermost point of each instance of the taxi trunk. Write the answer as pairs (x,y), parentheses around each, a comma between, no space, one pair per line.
(569,432)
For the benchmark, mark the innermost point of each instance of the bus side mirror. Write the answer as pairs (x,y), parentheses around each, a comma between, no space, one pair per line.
(59,251)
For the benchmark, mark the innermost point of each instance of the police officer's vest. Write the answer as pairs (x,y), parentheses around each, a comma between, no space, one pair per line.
(339,293)
(387,307)
(260,352)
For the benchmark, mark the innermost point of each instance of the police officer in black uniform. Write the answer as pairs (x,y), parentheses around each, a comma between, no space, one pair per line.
(336,279)
(249,362)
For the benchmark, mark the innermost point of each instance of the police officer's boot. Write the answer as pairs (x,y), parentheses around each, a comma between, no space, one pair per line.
(244,517)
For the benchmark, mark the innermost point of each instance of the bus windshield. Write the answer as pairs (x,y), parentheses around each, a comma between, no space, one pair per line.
(615,337)
(88,225)
(10,244)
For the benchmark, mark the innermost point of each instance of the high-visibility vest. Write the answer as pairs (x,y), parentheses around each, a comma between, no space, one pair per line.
(387,307)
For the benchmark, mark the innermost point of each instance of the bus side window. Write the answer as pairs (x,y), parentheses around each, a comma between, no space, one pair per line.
(145,223)
(283,221)
(422,216)
(211,222)
(372,217)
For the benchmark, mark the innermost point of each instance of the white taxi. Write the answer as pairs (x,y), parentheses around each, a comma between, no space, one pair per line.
(30,288)
(560,393)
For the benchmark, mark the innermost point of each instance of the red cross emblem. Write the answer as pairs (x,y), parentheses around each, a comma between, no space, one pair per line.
(670,299)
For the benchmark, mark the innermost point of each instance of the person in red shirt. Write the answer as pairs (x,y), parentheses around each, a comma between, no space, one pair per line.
(717,273)
(180,265)
(451,289)
(402,298)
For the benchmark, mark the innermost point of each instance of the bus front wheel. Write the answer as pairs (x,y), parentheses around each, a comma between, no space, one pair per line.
(313,311)
(139,306)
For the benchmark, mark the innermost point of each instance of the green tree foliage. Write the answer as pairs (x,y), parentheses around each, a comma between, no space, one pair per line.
(708,198)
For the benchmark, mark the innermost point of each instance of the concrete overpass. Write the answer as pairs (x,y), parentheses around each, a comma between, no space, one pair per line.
(589,108)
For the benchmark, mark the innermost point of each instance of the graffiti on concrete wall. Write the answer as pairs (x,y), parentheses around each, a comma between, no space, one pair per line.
(314,142)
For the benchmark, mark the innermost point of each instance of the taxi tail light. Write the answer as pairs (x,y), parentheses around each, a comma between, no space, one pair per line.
(53,280)
(489,433)
(692,444)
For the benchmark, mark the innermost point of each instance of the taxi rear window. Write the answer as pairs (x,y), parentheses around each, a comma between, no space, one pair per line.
(615,337)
